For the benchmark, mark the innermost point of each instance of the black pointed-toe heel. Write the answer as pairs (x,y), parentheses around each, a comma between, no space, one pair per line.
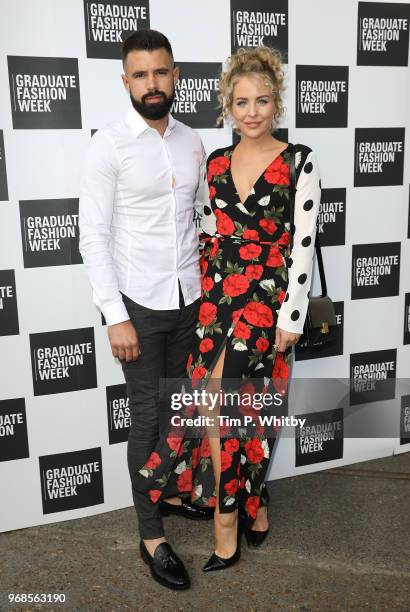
(215,562)
(255,538)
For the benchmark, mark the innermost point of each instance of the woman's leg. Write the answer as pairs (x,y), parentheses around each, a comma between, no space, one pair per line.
(261,522)
(225,524)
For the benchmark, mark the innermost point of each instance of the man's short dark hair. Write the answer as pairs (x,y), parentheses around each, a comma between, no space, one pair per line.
(145,40)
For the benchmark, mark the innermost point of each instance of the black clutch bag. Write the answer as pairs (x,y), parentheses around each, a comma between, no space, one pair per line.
(320,326)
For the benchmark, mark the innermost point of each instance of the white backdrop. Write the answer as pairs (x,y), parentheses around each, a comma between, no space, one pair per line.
(45,164)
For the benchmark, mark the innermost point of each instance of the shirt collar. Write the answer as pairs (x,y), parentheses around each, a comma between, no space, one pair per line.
(138,124)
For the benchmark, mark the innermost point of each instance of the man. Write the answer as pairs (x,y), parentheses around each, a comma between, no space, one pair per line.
(138,240)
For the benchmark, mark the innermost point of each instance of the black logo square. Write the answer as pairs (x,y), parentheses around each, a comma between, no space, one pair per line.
(196,94)
(13,430)
(44,92)
(63,361)
(50,233)
(322,94)
(378,157)
(71,480)
(118,413)
(321,437)
(331,225)
(259,23)
(405,420)
(382,34)
(372,376)
(375,270)
(9,320)
(108,24)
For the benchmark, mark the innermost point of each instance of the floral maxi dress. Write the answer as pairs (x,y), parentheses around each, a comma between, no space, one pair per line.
(251,283)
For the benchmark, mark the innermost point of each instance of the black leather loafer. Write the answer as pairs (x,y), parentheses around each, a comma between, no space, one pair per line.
(191,511)
(166,567)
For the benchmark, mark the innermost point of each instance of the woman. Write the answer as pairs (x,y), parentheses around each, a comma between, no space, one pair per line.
(253,305)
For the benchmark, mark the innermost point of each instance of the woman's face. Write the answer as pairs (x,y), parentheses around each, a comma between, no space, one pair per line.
(252,106)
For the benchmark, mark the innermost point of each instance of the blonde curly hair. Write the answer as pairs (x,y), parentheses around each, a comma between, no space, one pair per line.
(263,61)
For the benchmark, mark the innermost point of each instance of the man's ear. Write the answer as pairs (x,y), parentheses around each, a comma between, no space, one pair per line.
(175,73)
(125,82)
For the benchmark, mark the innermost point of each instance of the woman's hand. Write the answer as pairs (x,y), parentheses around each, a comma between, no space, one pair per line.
(284,339)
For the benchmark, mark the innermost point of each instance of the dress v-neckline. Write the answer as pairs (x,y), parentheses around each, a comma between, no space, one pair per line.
(252,189)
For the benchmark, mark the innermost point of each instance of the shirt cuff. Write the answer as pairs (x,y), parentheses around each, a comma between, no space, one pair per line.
(286,323)
(116,313)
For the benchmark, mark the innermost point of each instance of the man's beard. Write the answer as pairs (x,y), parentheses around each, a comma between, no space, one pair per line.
(157,110)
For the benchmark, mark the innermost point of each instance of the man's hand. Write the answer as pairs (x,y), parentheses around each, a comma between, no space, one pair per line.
(284,339)
(124,341)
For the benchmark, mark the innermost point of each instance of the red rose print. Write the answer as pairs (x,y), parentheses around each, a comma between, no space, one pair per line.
(174,441)
(236,315)
(242,483)
(281,296)
(231,487)
(252,505)
(206,345)
(224,224)
(207,313)
(250,251)
(254,451)
(205,449)
(184,482)
(214,248)
(189,362)
(212,502)
(154,495)
(280,373)
(284,240)
(253,272)
(258,314)
(226,460)
(249,411)
(195,457)
(250,235)
(277,172)
(235,284)
(197,375)
(217,166)
(212,192)
(231,445)
(262,344)
(268,225)
(204,265)
(248,388)
(154,460)
(207,283)
(246,408)
(275,259)
(241,330)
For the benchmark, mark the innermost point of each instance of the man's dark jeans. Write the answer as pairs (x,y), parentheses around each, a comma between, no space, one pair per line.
(165,338)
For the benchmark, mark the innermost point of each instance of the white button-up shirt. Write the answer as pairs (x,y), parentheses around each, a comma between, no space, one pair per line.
(137,231)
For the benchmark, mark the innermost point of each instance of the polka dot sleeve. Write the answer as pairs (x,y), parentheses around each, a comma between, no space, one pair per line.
(292,313)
